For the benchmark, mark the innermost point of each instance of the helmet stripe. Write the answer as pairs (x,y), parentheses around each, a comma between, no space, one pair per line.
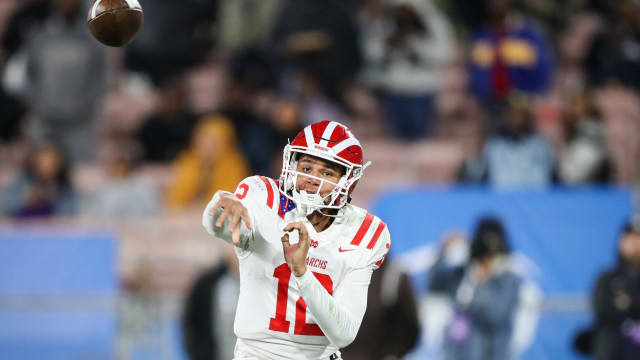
(308,135)
(345,144)
(326,135)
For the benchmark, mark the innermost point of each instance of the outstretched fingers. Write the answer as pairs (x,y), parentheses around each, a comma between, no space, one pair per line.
(235,235)
(234,227)
(245,217)
(215,207)
(223,216)
(235,212)
(239,215)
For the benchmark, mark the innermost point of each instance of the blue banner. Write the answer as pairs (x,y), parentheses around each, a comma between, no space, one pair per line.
(58,295)
(567,236)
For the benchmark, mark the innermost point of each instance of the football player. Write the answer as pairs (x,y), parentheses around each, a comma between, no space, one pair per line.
(306,254)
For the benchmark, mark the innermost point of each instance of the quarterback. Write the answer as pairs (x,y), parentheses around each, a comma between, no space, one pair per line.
(306,254)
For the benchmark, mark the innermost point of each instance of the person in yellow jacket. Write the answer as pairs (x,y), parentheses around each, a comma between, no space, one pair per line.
(213,161)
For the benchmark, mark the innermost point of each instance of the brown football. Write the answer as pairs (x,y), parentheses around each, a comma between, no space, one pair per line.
(115,22)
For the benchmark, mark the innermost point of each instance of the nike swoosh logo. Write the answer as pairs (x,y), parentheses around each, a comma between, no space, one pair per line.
(344,250)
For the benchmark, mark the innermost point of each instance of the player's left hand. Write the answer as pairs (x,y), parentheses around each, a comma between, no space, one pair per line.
(296,255)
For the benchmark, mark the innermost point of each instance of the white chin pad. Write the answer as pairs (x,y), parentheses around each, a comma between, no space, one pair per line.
(309,202)
(311,198)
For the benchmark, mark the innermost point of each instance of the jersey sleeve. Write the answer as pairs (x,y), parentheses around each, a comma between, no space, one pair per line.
(256,193)
(338,316)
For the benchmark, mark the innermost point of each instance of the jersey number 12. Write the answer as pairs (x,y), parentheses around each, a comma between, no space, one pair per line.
(279,322)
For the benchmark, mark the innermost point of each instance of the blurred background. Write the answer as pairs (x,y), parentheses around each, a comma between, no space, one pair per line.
(526,112)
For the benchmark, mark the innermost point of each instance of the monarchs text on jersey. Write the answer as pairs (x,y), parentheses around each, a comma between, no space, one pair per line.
(280,316)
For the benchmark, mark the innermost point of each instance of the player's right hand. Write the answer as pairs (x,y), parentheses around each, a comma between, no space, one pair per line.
(233,209)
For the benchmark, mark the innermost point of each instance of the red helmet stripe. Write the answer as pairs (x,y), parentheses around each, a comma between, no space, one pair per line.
(340,133)
(318,129)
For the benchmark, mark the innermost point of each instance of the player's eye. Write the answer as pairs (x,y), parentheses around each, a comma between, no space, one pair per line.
(306,169)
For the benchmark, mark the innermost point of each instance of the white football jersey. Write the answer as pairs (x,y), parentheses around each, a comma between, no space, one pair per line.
(281,316)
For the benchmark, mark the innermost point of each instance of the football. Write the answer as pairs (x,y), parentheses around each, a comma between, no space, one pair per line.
(115,22)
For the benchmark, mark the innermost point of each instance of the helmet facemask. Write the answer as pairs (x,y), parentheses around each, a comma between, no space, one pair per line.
(310,202)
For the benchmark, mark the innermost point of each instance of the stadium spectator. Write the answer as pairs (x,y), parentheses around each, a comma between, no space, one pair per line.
(516,157)
(11,113)
(390,327)
(175,36)
(552,15)
(484,293)
(507,53)
(166,133)
(209,311)
(213,161)
(616,302)
(286,119)
(245,24)
(319,40)
(614,57)
(466,16)
(23,23)
(586,158)
(406,45)
(21,26)
(251,79)
(306,299)
(43,188)
(124,193)
(316,105)
(65,80)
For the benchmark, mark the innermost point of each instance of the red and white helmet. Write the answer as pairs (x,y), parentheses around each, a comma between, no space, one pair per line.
(331,141)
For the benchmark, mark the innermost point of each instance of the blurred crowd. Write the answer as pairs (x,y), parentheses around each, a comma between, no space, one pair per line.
(509,93)
(523,94)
